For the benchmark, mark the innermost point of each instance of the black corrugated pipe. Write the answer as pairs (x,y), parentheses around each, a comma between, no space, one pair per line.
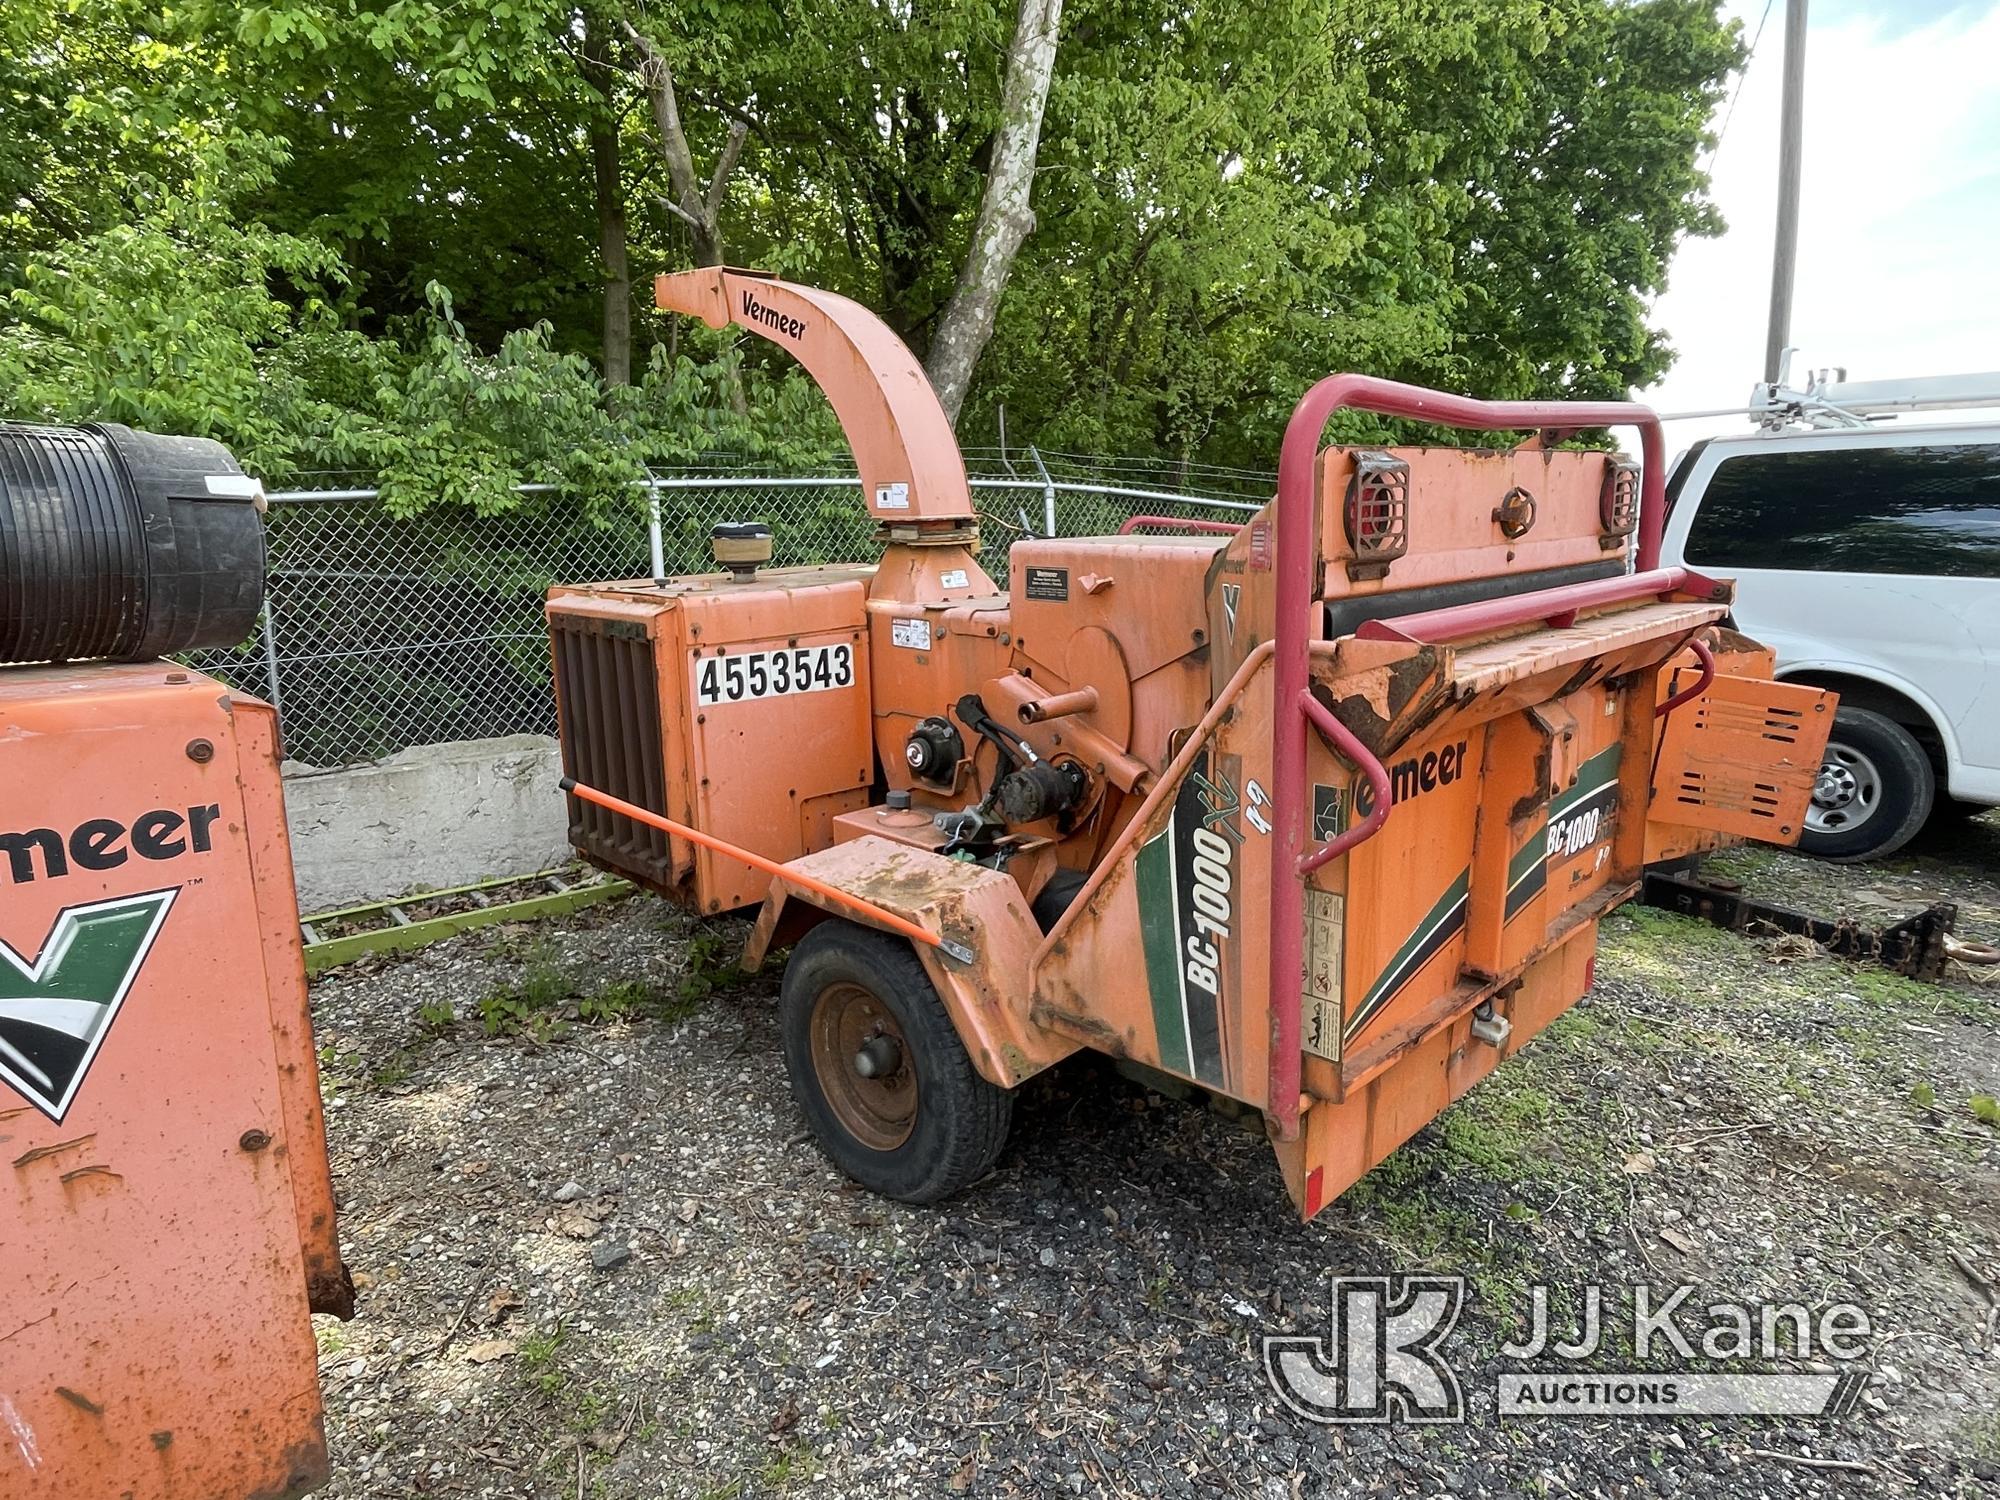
(123,544)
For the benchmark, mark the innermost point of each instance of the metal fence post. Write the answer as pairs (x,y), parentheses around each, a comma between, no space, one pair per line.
(269,630)
(655,538)
(1048,492)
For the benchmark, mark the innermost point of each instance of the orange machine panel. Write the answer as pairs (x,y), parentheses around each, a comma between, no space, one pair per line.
(161,1150)
(1460,504)
(741,708)
(1741,758)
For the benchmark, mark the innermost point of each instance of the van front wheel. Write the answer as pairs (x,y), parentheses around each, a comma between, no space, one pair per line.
(1874,790)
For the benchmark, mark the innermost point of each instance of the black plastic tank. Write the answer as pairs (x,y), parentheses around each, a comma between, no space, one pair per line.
(123,544)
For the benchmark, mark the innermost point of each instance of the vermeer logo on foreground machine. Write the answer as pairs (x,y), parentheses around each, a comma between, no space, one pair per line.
(57,1006)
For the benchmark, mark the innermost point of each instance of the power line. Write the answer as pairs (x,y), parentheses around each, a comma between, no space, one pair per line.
(1729,113)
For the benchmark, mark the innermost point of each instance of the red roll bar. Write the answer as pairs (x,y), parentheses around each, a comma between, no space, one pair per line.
(1293,705)
(1706,659)
(1556,606)
(1179,523)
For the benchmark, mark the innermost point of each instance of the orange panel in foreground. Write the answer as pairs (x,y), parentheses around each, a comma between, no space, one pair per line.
(161,1155)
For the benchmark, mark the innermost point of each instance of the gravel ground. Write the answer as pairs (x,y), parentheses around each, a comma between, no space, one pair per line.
(598,1256)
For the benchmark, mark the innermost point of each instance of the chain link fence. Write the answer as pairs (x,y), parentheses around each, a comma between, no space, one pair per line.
(381,633)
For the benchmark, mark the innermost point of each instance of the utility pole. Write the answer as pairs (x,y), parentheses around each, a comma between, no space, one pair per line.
(1791,132)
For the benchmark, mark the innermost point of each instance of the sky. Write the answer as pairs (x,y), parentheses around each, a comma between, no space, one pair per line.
(1899,221)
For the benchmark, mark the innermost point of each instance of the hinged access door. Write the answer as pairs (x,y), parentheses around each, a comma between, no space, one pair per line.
(1741,758)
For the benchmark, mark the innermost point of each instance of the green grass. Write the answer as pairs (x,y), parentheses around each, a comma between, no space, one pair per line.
(793,1465)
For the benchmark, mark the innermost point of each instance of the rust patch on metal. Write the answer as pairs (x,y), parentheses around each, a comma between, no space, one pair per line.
(1538,797)
(329,1287)
(1580,678)
(95,1169)
(1102,1035)
(55,1148)
(1411,692)
(1408,678)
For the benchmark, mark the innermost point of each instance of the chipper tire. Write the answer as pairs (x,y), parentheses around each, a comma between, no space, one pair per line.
(925,1124)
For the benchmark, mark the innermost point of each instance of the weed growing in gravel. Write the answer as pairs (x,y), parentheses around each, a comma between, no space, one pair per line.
(509,1012)
(793,1465)
(538,1350)
(616,1002)
(530,1007)
(337,1069)
(1985,1109)
(1983,1437)
(537,1354)
(710,969)
(394,1070)
(546,984)
(437,1015)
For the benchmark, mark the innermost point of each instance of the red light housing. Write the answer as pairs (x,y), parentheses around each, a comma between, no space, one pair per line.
(1618,502)
(1377,513)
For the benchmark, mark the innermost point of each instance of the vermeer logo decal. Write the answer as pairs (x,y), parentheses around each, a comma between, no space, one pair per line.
(56,1008)
(769,317)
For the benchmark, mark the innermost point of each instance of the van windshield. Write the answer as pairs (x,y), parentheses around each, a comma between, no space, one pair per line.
(1914,510)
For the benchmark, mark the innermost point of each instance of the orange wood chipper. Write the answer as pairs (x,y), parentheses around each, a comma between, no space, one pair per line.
(1318,813)
(166,1213)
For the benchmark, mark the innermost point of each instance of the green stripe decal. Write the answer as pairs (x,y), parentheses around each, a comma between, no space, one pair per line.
(1163,965)
(1527,856)
(1444,919)
(1527,871)
(1592,776)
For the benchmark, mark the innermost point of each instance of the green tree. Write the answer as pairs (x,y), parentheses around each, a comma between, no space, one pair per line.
(242,219)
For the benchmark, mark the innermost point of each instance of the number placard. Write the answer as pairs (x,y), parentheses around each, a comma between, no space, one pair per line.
(772,674)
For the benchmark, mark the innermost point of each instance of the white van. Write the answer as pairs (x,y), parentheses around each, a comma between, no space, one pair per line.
(1869,557)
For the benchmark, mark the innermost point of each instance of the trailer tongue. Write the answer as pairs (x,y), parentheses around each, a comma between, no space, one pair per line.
(1318,813)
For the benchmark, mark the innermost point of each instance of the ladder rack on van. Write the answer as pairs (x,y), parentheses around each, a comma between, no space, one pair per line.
(1831,400)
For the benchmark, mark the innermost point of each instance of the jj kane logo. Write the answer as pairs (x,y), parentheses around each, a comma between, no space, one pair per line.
(1384,1360)
(57,1005)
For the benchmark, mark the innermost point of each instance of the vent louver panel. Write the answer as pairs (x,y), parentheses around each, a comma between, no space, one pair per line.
(1741,758)
(609,708)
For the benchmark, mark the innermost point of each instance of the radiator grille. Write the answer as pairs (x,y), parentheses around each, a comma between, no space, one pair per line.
(608,710)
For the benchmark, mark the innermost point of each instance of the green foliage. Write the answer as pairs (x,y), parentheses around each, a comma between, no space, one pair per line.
(530,1007)
(614,1002)
(366,234)
(163,322)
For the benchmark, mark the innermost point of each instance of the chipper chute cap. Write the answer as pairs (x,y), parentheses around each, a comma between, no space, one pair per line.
(122,544)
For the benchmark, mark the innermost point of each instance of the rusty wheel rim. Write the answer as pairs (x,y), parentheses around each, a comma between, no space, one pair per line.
(852,1033)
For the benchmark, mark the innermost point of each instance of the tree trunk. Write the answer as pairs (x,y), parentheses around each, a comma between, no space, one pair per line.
(1005,216)
(612,246)
(700,210)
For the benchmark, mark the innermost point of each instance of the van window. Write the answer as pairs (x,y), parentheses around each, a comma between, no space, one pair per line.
(1927,510)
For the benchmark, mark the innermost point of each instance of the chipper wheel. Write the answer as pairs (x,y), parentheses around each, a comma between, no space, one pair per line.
(879,1070)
